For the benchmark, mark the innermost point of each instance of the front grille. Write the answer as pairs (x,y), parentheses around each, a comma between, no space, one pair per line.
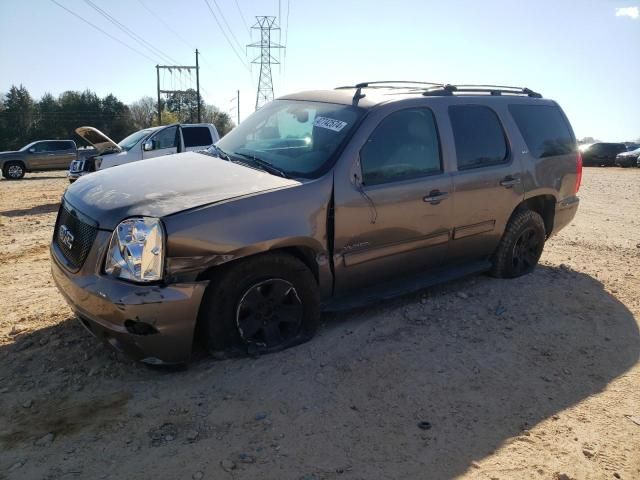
(74,235)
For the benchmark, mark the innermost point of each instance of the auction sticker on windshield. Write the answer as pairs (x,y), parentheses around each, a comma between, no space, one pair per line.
(329,123)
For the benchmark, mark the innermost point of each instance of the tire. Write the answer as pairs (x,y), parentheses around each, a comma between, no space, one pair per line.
(520,247)
(246,299)
(13,170)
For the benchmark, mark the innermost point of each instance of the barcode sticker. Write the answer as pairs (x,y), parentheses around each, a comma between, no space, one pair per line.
(329,123)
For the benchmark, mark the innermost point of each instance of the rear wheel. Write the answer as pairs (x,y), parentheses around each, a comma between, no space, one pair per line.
(520,247)
(13,170)
(260,305)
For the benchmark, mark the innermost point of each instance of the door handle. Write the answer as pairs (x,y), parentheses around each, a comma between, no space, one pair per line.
(509,181)
(435,197)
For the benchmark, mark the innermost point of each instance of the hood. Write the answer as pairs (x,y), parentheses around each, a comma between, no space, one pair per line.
(9,153)
(164,185)
(99,140)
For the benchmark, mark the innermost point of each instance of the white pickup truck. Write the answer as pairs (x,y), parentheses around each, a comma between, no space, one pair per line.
(141,145)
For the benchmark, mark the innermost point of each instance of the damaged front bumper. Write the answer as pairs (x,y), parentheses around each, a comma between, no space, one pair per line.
(152,323)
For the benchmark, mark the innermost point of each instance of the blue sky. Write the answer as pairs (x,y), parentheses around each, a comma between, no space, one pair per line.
(583,53)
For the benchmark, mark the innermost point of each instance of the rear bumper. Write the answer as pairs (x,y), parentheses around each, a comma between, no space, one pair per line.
(112,310)
(565,211)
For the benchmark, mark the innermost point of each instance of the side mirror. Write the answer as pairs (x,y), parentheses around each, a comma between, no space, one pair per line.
(32,150)
(147,146)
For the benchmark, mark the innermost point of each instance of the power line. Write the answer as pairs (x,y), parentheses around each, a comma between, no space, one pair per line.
(286,37)
(130,33)
(243,20)
(104,32)
(167,26)
(227,24)
(225,35)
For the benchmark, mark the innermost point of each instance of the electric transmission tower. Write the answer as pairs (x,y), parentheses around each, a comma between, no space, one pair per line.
(266,25)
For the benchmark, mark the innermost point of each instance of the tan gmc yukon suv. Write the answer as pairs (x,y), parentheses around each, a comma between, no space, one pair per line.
(319,200)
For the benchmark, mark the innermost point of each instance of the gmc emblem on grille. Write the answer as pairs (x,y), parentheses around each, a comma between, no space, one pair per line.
(65,236)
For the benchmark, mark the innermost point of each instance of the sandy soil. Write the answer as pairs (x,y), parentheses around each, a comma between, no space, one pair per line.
(482,378)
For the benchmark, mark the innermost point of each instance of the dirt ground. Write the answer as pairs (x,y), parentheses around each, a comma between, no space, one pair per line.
(537,377)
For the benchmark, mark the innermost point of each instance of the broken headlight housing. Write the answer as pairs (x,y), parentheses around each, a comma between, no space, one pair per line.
(136,250)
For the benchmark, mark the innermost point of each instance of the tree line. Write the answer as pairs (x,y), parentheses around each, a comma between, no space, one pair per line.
(24,119)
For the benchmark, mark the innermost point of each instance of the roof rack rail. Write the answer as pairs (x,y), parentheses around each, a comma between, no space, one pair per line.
(438,89)
(384,84)
(494,90)
(387,84)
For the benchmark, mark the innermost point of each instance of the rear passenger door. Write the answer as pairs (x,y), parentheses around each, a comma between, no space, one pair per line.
(65,153)
(487,181)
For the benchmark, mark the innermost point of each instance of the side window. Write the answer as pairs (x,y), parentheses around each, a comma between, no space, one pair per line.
(478,135)
(42,147)
(165,138)
(404,145)
(58,146)
(544,129)
(196,136)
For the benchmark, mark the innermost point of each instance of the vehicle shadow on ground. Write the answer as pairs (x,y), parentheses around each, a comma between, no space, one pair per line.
(414,388)
(39,177)
(36,210)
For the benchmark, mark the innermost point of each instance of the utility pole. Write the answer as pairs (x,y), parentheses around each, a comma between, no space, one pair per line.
(198,86)
(266,25)
(159,106)
(195,67)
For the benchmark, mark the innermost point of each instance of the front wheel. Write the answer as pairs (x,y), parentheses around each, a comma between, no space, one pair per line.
(13,170)
(260,305)
(520,247)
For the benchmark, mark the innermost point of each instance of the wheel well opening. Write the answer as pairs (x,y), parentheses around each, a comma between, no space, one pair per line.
(544,205)
(305,254)
(10,162)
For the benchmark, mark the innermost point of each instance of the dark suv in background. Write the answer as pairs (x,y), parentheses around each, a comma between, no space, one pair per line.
(319,200)
(602,154)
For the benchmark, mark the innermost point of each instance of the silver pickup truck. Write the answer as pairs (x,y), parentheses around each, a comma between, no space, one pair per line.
(38,156)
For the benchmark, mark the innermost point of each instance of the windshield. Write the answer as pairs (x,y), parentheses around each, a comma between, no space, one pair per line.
(131,141)
(295,137)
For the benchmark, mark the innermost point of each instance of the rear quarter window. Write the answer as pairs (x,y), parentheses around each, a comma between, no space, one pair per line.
(196,136)
(544,129)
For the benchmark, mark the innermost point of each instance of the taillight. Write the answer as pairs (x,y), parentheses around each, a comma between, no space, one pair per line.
(578,171)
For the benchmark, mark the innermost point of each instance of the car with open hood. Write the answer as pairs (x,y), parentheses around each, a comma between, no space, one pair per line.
(141,145)
(319,200)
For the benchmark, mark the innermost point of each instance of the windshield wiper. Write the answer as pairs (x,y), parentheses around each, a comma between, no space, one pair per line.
(221,153)
(263,165)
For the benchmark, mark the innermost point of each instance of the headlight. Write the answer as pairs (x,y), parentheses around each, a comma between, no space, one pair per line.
(136,250)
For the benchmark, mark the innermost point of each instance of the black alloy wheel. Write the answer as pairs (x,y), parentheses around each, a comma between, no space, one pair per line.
(526,251)
(270,314)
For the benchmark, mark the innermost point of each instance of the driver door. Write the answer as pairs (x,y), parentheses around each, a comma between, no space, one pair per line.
(396,219)
(163,142)
(38,156)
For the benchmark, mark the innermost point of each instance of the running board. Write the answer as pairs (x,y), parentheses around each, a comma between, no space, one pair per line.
(396,288)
